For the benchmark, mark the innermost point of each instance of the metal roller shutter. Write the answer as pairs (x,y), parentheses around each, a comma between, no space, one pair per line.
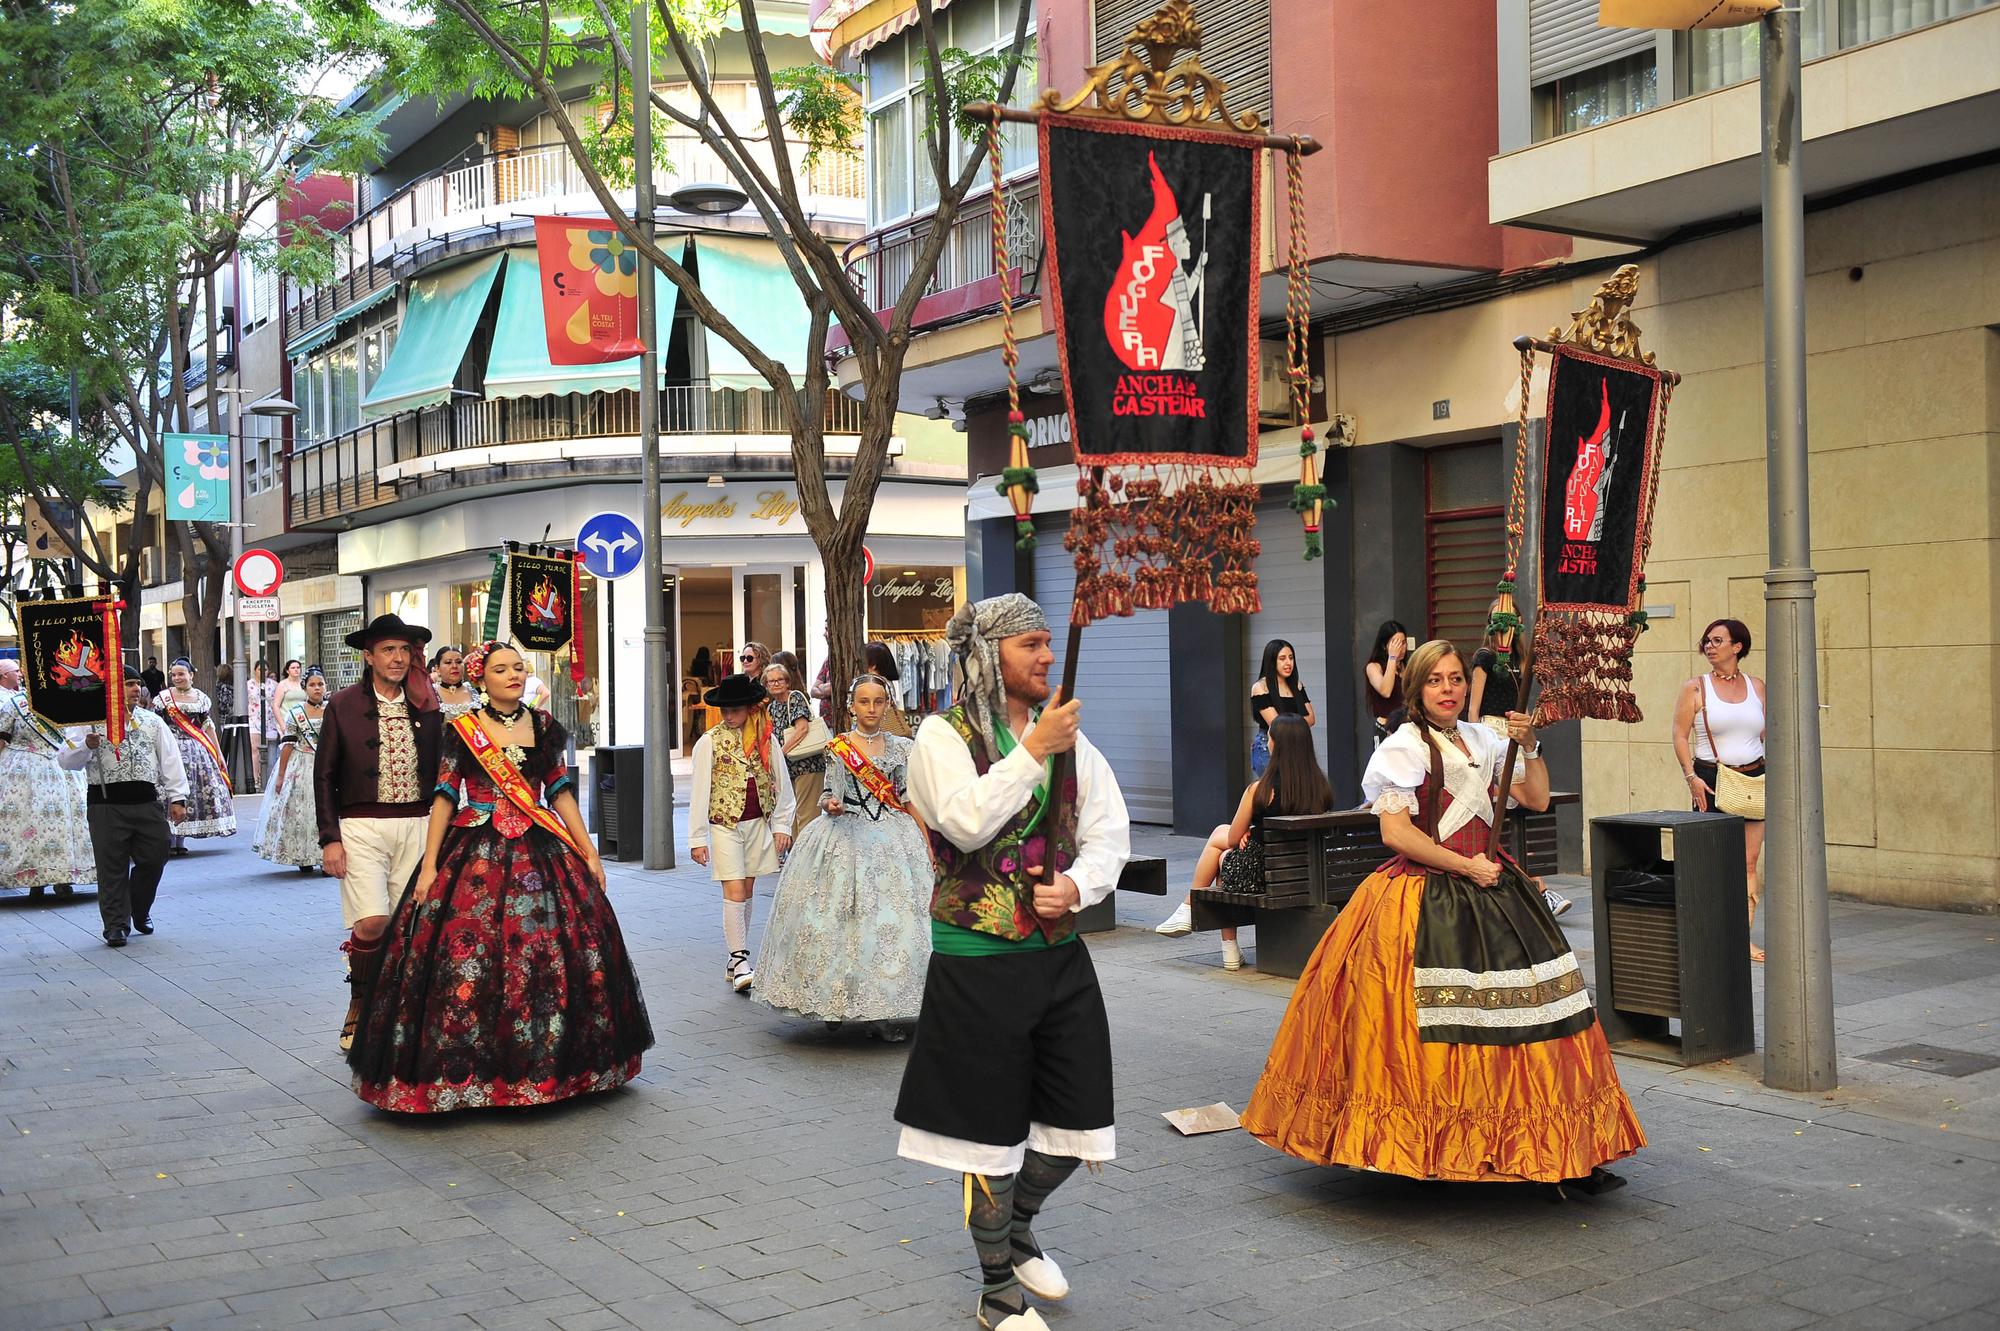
(1294,596)
(1466,556)
(1122,678)
(1235,44)
(1563,38)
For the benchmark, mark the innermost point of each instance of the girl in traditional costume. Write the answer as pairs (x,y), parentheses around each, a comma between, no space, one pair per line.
(849,937)
(291,816)
(1442,1030)
(740,810)
(211,808)
(44,829)
(505,979)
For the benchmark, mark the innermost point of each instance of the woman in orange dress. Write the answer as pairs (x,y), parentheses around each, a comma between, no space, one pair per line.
(1441,1029)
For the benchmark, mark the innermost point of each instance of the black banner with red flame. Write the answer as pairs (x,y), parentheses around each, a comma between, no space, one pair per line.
(69,661)
(541,600)
(1151,236)
(1597,482)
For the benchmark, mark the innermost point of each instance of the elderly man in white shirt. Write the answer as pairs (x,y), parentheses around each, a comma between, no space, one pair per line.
(128,833)
(1009,1079)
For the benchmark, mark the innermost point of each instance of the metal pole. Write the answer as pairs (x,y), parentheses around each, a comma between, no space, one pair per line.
(661,695)
(1798,979)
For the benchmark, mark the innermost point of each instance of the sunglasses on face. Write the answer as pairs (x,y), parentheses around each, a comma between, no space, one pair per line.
(747,656)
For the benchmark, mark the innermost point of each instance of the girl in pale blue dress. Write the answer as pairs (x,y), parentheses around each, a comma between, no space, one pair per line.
(849,938)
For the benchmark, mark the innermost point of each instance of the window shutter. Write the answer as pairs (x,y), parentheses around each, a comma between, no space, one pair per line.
(1236,44)
(1467,555)
(1563,38)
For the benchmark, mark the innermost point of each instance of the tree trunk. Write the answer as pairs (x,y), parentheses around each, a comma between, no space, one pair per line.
(846,615)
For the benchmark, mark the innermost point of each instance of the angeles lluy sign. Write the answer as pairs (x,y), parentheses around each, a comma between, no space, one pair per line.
(684,510)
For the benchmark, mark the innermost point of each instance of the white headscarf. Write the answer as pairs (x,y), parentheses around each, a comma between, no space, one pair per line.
(974,634)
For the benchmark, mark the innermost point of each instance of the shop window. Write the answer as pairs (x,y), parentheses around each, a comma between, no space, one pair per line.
(411,605)
(912,599)
(467,613)
(341,663)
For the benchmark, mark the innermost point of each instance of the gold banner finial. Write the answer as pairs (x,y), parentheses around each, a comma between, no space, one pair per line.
(1152,82)
(1605,324)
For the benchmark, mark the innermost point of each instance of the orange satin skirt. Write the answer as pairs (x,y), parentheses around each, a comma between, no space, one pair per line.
(1348,1082)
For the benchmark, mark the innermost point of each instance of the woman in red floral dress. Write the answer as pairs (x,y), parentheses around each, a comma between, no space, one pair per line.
(506,980)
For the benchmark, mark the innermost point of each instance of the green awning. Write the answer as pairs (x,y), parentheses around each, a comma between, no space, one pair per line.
(438,318)
(313,341)
(519,365)
(319,337)
(748,282)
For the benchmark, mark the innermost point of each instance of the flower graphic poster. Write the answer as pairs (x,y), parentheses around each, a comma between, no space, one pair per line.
(590,290)
(197,477)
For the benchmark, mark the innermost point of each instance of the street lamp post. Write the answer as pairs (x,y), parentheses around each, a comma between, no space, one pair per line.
(660,691)
(1798,980)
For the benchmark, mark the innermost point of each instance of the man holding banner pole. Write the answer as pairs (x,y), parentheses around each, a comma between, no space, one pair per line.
(128,832)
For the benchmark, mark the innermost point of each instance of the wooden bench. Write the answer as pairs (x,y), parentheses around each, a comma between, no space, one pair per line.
(1314,862)
(1145,874)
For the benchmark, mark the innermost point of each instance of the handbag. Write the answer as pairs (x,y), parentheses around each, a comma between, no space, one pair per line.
(815,742)
(1736,792)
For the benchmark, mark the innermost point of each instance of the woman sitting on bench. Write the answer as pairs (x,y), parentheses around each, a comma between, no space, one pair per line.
(1292,784)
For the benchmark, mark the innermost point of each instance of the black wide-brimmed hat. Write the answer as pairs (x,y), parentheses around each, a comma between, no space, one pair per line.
(387,626)
(736,691)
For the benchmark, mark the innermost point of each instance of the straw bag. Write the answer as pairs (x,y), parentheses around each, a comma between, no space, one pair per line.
(1735,792)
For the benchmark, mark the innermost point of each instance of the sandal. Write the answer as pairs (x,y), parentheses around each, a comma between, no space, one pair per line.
(1757,954)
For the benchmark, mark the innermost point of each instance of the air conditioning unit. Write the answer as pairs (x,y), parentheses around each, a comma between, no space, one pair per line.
(1274,385)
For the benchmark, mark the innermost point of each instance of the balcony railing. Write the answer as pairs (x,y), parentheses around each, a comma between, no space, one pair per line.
(883,260)
(342,475)
(428,204)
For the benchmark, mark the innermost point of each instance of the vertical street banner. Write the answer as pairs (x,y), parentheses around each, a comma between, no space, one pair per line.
(1151,235)
(590,290)
(1600,472)
(70,663)
(197,477)
(541,600)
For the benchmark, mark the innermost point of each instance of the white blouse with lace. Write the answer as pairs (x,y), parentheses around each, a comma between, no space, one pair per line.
(1395,777)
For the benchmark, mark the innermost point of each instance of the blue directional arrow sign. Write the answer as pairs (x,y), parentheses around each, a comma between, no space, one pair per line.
(612,545)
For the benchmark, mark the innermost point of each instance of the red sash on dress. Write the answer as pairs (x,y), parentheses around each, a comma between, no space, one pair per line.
(867,773)
(507,779)
(200,736)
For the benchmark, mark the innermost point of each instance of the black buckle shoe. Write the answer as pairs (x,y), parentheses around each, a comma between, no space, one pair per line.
(114,937)
(144,926)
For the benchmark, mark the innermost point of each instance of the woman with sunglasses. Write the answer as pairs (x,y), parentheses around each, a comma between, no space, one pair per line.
(1719,719)
(752,658)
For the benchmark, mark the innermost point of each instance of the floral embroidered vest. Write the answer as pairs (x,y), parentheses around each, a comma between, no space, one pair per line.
(988,890)
(729,778)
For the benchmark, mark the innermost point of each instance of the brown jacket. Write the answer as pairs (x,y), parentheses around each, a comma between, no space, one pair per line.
(344,771)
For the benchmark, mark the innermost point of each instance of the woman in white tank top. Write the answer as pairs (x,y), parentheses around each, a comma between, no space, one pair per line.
(1719,718)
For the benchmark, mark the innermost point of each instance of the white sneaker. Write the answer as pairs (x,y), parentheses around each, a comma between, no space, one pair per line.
(739,972)
(1557,903)
(1179,923)
(1232,955)
(1026,1320)
(1041,1277)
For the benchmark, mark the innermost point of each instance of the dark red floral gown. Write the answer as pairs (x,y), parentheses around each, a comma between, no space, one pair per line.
(511,984)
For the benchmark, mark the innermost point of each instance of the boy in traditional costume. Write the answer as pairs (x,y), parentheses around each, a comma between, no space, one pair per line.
(1009,1079)
(740,810)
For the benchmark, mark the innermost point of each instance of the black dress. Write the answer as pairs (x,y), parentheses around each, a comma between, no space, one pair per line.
(1503,690)
(511,984)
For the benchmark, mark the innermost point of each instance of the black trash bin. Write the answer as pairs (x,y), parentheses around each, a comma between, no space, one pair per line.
(618,801)
(1672,933)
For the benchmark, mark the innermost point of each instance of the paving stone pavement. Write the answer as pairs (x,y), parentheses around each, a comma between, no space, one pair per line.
(180,1149)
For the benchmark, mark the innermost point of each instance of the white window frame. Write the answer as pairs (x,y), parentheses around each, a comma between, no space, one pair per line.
(1000,13)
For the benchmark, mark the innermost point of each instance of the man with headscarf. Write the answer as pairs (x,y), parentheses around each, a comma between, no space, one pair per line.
(1009,1079)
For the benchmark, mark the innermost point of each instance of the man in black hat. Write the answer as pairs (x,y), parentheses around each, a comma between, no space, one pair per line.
(373,778)
(128,832)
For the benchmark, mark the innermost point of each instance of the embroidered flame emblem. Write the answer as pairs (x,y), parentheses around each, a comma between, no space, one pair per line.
(545,606)
(76,662)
